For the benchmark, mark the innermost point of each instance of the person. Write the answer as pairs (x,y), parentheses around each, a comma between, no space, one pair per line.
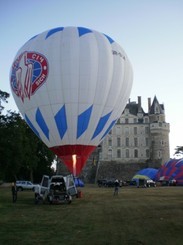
(116,187)
(14,192)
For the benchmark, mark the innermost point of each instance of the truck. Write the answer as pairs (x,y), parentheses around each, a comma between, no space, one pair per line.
(56,189)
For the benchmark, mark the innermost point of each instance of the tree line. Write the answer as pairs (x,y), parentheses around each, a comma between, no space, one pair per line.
(22,154)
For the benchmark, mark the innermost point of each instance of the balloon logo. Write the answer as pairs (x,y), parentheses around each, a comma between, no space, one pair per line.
(36,69)
(71,84)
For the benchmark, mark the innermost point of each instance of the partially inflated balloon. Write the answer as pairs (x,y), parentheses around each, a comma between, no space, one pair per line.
(71,84)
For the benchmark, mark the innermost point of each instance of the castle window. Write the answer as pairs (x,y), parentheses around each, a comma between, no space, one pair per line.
(110,154)
(118,141)
(136,153)
(126,120)
(135,142)
(118,130)
(147,142)
(109,142)
(127,153)
(147,153)
(156,109)
(159,155)
(118,153)
(135,130)
(142,130)
(146,120)
(135,120)
(127,142)
(126,130)
(147,130)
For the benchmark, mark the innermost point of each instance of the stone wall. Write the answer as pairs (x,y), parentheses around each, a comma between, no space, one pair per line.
(122,171)
(108,170)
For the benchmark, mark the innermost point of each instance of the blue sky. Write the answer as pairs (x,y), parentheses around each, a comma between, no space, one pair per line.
(151,33)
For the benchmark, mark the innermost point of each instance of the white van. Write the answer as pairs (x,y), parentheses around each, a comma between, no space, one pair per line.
(57,189)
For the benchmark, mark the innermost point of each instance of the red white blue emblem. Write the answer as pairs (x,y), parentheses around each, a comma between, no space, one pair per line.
(29,72)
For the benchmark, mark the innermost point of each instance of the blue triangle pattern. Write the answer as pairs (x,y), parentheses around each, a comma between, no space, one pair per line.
(83,121)
(82,31)
(109,38)
(42,124)
(53,31)
(101,124)
(61,121)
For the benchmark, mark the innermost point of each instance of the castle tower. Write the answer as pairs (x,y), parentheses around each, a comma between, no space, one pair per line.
(159,132)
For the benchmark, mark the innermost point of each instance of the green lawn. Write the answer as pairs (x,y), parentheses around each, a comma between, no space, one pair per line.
(136,216)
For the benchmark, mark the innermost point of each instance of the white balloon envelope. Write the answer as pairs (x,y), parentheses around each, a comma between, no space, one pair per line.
(71,84)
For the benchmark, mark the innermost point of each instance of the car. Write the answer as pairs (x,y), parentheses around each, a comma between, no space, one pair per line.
(25,185)
(110,183)
(101,182)
(150,183)
(106,182)
(173,182)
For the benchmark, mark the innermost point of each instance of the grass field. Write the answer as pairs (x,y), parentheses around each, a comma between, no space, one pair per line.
(135,216)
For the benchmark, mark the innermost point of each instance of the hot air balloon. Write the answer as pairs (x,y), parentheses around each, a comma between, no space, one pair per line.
(71,84)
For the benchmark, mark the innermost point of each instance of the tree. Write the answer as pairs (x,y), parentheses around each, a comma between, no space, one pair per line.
(37,157)
(3,98)
(23,155)
(10,145)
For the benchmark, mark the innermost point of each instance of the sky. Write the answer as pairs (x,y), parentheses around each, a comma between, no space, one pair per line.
(150,32)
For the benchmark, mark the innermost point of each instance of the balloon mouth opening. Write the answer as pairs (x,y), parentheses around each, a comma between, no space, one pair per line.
(73,156)
(74,161)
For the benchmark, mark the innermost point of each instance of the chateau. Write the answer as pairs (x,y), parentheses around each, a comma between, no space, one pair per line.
(138,137)
(138,140)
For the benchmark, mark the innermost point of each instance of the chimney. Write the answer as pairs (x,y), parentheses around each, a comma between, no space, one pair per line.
(139,104)
(149,104)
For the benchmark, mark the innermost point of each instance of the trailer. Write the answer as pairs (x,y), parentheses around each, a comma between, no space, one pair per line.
(56,190)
